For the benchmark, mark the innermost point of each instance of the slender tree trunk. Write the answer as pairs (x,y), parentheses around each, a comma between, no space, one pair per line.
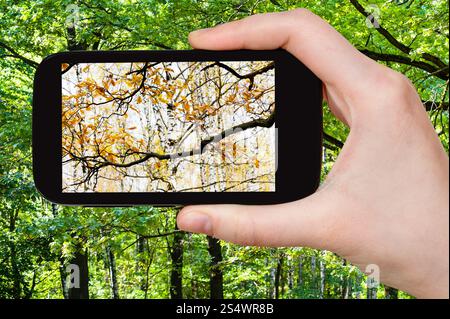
(62,269)
(140,261)
(313,273)
(345,287)
(290,275)
(358,282)
(371,291)
(300,271)
(176,275)
(282,283)
(81,260)
(63,275)
(112,272)
(17,287)
(272,282)
(390,293)
(346,290)
(278,275)
(322,278)
(215,273)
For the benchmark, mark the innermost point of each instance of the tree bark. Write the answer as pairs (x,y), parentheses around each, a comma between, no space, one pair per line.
(62,269)
(322,278)
(290,275)
(371,291)
(215,274)
(313,273)
(300,271)
(17,277)
(346,283)
(112,272)
(140,261)
(278,275)
(390,293)
(81,260)
(176,275)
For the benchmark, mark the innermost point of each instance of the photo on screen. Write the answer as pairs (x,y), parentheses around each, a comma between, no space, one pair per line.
(168,127)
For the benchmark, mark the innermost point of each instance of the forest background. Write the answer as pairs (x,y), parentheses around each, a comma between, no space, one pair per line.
(138,252)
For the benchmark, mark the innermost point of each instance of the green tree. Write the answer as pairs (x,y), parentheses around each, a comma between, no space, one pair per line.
(130,251)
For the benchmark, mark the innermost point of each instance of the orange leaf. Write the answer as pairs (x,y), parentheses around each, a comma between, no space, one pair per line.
(223,154)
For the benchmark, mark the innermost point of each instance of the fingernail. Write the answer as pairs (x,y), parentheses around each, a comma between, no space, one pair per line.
(196,222)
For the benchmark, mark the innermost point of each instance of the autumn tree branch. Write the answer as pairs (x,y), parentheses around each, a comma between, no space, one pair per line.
(250,76)
(237,183)
(268,122)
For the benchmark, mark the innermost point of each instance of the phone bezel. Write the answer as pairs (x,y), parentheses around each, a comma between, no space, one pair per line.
(298,119)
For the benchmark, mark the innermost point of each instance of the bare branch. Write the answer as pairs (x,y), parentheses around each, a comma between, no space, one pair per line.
(392,40)
(16,55)
(334,141)
(441,73)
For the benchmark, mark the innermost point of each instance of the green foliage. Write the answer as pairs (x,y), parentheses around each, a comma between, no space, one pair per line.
(37,240)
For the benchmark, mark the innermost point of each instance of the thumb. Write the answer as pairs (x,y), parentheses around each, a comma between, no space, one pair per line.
(307,222)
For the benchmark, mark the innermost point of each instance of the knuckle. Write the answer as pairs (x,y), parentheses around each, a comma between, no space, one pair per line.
(391,96)
(396,86)
(397,81)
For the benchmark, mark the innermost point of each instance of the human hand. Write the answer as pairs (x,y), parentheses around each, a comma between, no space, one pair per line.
(386,200)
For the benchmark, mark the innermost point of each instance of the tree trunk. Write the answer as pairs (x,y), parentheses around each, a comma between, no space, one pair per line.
(17,287)
(347,289)
(62,269)
(141,244)
(300,271)
(371,291)
(63,276)
(215,274)
(390,293)
(176,275)
(278,275)
(290,275)
(112,272)
(80,260)
(313,273)
(322,278)
(272,281)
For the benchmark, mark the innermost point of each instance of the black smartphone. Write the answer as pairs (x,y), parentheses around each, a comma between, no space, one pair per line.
(122,128)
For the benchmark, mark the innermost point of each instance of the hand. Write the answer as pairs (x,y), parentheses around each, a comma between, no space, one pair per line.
(386,200)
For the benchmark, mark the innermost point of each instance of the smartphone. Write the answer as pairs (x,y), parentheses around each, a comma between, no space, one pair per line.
(123,128)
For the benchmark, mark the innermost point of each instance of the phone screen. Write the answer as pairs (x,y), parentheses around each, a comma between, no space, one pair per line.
(169,127)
